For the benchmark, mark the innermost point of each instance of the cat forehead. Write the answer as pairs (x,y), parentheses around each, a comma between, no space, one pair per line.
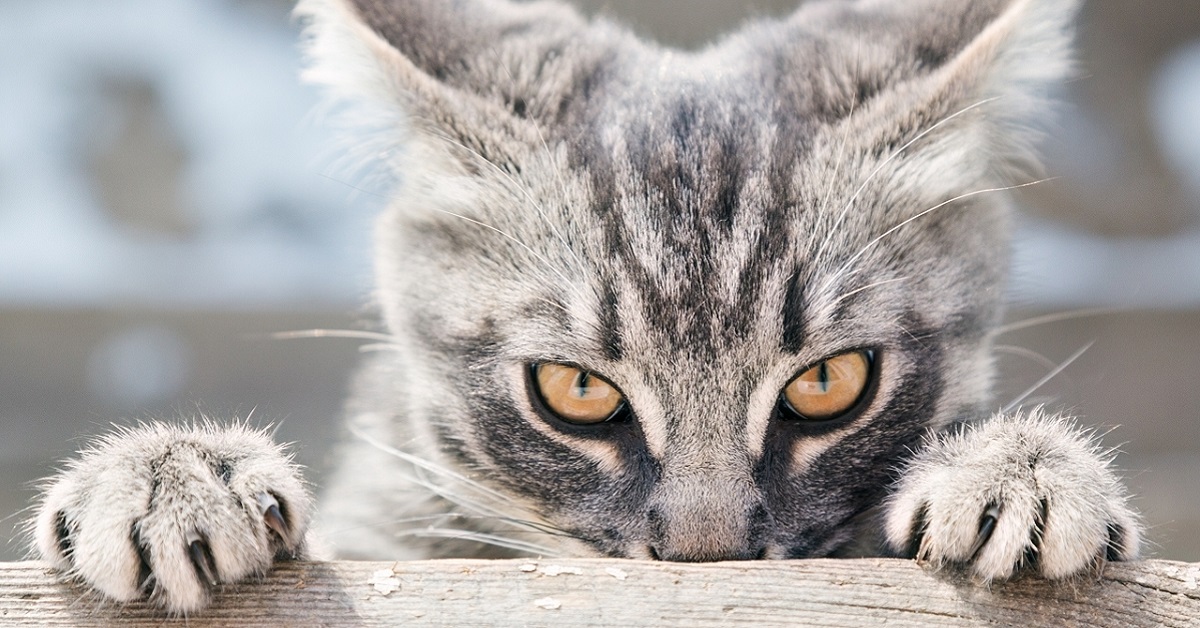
(795,160)
(696,220)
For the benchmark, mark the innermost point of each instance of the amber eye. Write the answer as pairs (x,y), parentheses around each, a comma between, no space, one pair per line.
(830,389)
(576,395)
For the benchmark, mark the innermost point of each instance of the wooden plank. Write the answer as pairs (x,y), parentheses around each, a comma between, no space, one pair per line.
(589,592)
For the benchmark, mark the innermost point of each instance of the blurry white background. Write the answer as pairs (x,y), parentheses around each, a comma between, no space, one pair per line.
(167,201)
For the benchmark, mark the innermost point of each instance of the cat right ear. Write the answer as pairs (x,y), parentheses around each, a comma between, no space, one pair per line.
(477,73)
(992,64)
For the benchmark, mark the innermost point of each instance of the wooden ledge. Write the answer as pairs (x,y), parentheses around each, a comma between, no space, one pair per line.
(605,592)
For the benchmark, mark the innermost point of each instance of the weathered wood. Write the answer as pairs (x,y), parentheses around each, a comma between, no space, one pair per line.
(580,592)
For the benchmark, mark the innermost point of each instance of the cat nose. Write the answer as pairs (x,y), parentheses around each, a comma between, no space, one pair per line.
(702,534)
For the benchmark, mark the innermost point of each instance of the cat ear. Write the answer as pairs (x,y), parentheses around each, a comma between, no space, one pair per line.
(983,69)
(475,73)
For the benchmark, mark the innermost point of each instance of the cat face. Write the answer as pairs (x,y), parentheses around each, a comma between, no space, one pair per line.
(691,305)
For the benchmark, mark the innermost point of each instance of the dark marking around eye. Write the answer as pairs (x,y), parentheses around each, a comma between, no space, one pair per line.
(610,323)
(793,315)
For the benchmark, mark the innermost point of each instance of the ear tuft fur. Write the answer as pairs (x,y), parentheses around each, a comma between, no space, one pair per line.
(912,64)
(1017,64)
(478,73)
(347,60)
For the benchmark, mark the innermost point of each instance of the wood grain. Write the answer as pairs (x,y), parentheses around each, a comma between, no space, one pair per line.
(605,592)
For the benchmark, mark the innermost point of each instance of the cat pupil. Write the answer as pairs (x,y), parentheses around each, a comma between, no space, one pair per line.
(581,384)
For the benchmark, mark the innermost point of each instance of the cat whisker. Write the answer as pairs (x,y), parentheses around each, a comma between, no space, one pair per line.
(878,168)
(484,511)
(518,242)
(537,527)
(385,341)
(554,304)
(421,465)
(1056,317)
(332,333)
(837,164)
(906,331)
(379,346)
(420,478)
(447,516)
(560,180)
(481,537)
(1025,353)
(522,189)
(877,239)
(523,526)
(379,524)
(354,187)
(1046,378)
(867,287)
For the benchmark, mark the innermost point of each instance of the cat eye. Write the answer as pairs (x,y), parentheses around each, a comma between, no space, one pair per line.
(831,388)
(575,395)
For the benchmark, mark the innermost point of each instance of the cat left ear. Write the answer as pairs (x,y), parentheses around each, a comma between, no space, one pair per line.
(479,73)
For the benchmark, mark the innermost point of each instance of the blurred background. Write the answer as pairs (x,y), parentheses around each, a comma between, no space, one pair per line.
(167,202)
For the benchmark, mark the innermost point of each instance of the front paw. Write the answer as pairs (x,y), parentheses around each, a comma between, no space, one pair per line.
(168,512)
(1028,491)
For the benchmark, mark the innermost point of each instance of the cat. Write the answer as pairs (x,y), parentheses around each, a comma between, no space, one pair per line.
(729,304)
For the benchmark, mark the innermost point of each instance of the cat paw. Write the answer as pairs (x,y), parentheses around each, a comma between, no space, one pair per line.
(168,512)
(1020,492)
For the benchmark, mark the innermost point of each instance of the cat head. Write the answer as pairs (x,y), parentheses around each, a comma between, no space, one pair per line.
(691,305)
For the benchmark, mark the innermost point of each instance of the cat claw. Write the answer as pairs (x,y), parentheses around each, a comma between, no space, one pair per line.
(987,525)
(202,559)
(273,517)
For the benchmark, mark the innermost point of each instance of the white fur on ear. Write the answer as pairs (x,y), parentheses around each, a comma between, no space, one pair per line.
(409,117)
(1016,63)
(367,85)
(343,52)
